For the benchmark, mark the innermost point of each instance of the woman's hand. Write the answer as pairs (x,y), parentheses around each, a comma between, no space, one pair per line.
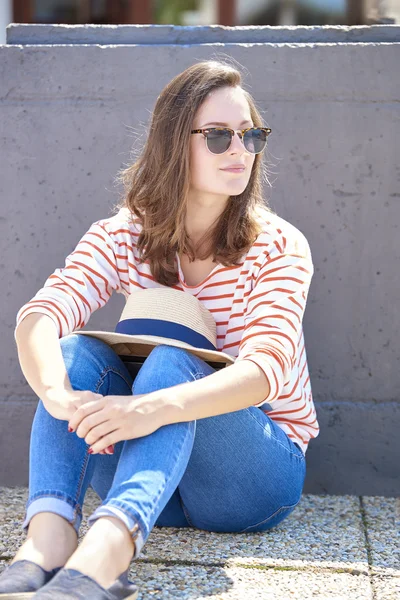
(62,403)
(111,419)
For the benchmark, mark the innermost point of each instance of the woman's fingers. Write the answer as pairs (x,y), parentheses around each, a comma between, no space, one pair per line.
(84,411)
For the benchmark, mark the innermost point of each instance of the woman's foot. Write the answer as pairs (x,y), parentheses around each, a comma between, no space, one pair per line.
(22,578)
(105,552)
(50,541)
(70,584)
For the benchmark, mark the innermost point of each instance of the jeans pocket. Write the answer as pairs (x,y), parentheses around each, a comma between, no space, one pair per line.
(272,520)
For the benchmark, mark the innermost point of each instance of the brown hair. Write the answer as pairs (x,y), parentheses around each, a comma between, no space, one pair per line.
(157,183)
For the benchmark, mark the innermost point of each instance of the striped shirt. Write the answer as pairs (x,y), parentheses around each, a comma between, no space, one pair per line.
(258,306)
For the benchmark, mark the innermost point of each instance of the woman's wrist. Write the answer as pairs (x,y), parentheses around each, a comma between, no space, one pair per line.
(160,404)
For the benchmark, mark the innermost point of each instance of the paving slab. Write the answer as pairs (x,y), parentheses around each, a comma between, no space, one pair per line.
(322,532)
(235,583)
(330,547)
(382,520)
(169,582)
(386,588)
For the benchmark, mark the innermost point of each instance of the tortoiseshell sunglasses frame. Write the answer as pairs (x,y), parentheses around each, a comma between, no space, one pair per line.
(240,133)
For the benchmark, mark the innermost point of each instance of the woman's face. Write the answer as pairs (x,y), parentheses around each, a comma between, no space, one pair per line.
(224,107)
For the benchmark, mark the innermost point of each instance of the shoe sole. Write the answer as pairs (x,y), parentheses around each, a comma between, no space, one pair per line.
(27,595)
(16,595)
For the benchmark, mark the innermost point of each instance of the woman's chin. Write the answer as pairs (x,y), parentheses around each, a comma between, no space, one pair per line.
(235,190)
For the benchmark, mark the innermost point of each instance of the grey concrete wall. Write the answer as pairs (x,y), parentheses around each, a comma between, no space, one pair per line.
(74,100)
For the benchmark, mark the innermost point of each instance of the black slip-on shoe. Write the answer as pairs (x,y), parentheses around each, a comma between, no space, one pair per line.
(70,584)
(22,579)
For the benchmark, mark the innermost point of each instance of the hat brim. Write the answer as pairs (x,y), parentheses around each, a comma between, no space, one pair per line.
(141,345)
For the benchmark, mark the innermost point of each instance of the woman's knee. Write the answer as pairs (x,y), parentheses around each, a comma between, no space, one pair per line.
(75,347)
(165,352)
(88,360)
(75,342)
(167,366)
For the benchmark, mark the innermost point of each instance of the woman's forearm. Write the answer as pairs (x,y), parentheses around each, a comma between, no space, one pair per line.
(236,387)
(40,355)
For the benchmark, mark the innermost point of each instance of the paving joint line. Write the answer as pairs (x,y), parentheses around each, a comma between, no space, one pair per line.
(364,522)
(191,563)
(305,568)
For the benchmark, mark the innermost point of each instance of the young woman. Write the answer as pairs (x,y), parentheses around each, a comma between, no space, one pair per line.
(219,450)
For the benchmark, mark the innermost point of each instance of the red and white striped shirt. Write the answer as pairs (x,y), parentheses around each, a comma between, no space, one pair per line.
(258,306)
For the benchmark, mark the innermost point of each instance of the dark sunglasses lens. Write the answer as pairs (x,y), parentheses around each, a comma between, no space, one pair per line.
(255,140)
(218,140)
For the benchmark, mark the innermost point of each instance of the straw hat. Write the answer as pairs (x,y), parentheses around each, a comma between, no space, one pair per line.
(164,315)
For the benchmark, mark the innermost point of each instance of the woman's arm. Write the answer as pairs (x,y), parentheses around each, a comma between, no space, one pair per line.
(268,348)
(236,387)
(72,293)
(40,355)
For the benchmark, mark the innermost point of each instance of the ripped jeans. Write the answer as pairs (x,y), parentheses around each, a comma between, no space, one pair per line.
(235,472)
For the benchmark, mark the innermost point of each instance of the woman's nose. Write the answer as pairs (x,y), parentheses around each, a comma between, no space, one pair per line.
(237,143)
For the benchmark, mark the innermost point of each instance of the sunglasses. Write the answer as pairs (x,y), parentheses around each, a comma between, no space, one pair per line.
(219,139)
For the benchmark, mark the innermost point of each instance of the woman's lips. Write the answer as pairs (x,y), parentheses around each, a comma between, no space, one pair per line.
(233,170)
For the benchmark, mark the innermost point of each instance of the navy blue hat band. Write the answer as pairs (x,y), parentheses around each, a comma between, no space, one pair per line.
(166,329)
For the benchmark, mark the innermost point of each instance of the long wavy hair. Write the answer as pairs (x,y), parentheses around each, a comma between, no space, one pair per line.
(156,185)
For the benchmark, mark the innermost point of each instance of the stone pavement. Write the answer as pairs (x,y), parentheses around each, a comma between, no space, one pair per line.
(329,548)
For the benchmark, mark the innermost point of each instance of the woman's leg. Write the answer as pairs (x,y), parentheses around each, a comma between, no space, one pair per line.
(60,468)
(150,469)
(147,473)
(244,473)
(234,472)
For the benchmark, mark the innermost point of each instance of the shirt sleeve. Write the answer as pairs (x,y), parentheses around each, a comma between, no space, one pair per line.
(275,309)
(72,293)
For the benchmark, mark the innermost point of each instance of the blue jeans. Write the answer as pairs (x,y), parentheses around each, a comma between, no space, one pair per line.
(235,472)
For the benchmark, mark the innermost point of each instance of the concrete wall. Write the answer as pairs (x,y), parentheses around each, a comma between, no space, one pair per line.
(73,101)
(6,11)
